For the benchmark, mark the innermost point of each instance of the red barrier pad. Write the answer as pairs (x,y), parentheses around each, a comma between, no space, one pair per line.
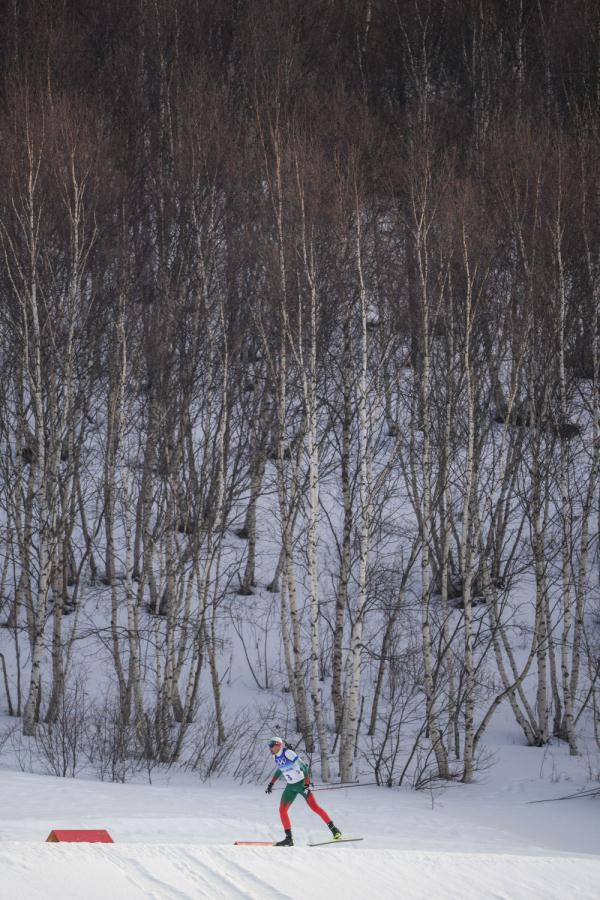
(95,836)
(253,843)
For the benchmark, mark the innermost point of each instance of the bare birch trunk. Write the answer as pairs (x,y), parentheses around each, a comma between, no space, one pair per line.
(341,600)
(116,428)
(566,500)
(466,548)
(45,465)
(350,717)
(592,270)
(285,494)
(257,471)
(425,522)
(309,375)
(541,593)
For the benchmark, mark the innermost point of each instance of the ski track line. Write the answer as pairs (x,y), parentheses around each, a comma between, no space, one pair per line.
(155,887)
(207,877)
(250,886)
(204,880)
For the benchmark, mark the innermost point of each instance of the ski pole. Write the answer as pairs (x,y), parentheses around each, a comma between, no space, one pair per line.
(342,787)
(325,786)
(337,787)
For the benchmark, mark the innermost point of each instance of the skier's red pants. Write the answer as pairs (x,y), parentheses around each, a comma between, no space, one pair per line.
(288,798)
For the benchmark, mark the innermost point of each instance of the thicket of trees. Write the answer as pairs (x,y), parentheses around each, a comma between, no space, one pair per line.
(341,257)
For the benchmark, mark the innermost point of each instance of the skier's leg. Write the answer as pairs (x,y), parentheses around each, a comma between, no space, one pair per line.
(318,809)
(288,797)
(310,799)
(283,815)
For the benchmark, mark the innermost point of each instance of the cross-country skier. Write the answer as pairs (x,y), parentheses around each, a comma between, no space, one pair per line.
(297,775)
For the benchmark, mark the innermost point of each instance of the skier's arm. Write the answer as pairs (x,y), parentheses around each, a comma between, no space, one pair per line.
(306,770)
(276,775)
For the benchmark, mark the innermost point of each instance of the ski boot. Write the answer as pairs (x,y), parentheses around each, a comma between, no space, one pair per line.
(287,841)
(335,831)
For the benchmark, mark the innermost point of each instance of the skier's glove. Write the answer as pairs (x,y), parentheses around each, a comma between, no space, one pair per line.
(269,788)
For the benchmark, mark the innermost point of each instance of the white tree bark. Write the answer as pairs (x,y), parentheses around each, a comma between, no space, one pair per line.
(350,717)
(309,383)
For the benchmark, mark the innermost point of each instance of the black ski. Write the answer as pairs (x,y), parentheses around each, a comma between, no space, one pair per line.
(339,841)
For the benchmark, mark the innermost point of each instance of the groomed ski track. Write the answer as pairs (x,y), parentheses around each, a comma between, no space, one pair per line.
(175,841)
(183,872)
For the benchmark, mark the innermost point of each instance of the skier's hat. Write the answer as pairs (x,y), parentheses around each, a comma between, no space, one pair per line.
(275,740)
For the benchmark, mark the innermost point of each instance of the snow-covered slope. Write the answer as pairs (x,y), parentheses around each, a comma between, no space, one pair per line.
(132,871)
(175,840)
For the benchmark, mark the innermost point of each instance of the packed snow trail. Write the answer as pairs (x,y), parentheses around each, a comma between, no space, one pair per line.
(174,841)
(186,872)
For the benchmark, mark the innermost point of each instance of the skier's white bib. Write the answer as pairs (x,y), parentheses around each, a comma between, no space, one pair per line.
(289,764)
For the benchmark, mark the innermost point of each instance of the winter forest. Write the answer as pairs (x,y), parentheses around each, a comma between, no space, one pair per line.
(300,383)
